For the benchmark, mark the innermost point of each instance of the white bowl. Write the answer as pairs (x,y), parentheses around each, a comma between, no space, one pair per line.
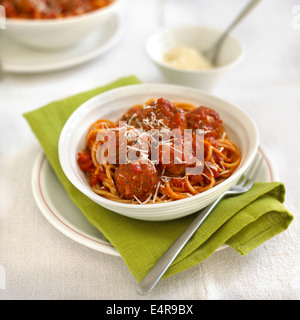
(112,104)
(200,38)
(58,33)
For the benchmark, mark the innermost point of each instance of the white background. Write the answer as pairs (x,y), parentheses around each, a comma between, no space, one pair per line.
(41,263)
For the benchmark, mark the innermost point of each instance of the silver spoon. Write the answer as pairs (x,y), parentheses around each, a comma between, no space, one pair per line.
(212,54)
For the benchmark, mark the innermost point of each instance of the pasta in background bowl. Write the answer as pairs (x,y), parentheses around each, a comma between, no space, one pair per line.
(113,104)
(58,32)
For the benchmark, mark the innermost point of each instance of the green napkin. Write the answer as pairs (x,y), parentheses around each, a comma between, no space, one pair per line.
(243,222)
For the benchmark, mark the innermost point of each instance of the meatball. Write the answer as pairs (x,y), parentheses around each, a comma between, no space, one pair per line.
(175,157)
(133,116)
(207,119)
(162,113)
(136,180)
(168,164)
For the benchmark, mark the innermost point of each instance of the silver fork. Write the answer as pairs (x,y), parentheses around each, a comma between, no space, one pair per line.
(243,185)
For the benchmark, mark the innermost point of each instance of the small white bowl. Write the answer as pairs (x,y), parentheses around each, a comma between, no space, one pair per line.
(112,104)
(199,38)
(59,33)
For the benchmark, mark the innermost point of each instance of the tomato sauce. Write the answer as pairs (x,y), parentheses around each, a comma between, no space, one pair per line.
(50,9)
(85,161)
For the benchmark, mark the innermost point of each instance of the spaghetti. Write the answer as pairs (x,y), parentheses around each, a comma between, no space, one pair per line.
(143,180)
(50,9)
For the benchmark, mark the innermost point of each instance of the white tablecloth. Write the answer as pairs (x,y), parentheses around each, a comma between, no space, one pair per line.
(39,262)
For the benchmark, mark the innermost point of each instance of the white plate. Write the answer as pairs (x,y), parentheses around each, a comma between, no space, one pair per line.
(60,211)
(21,59)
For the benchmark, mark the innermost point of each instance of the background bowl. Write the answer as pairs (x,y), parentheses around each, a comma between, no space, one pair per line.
(58,33)
(200,38)
(112,104)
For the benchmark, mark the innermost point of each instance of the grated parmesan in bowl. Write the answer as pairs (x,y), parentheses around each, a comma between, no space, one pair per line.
(177,52)
(187,58)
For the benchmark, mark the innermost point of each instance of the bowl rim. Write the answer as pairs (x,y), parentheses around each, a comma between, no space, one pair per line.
(65,20)
(83,110)
(191,71)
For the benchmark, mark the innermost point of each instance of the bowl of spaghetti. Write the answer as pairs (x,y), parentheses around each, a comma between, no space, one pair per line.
(156,151)
(55,24)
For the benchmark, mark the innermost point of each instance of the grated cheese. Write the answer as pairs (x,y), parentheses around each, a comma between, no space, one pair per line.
(186,58)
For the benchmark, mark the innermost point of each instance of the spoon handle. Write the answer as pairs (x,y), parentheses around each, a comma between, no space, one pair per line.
(250,6)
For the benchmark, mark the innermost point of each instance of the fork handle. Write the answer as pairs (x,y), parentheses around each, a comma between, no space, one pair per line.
(154,275)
